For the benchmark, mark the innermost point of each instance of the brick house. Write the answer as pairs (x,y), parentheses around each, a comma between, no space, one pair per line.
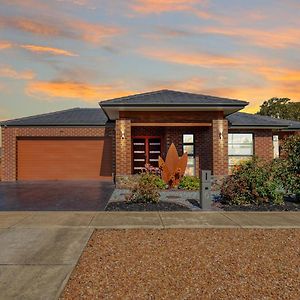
(122,135)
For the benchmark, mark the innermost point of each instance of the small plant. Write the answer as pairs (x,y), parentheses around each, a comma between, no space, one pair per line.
(145,191)
(191,183)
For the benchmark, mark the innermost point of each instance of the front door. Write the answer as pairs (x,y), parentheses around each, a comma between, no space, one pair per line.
(145,151)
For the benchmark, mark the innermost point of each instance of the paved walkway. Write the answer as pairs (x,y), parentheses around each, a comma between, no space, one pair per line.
(38,250)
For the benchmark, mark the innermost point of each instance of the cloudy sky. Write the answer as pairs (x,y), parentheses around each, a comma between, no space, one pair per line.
(59,54)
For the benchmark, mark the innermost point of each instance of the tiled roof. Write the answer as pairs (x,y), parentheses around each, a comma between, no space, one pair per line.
(74,116)
(96,117)
(250,120)
(168,97)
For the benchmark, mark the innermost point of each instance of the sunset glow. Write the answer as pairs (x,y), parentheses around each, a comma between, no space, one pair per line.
(65,53)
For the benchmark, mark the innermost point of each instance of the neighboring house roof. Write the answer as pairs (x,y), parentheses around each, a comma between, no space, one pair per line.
(70,117)
(240,119)
(174,98)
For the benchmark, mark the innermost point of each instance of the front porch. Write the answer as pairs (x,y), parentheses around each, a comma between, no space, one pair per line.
(139,143)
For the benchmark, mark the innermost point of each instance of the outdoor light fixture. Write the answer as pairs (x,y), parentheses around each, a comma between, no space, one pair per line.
(221,135)
(122,135)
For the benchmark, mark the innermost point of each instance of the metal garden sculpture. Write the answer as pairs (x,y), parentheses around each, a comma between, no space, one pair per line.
(173,169)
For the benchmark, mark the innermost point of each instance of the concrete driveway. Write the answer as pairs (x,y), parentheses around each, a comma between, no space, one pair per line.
(55,195)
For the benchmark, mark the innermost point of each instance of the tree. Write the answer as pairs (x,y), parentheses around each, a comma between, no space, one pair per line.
(281,108)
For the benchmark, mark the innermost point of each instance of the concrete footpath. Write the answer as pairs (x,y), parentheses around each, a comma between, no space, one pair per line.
(38,250)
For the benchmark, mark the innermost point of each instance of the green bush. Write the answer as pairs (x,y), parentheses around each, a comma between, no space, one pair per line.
(289,163)
(191,183)
(148,177)
(145,191)
(253,182)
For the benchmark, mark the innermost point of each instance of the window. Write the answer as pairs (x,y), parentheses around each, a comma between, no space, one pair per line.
(188,147)
(240,148)
(276,146)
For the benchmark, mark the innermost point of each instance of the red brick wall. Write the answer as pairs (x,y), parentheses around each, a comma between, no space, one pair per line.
(172,116)
(11,134)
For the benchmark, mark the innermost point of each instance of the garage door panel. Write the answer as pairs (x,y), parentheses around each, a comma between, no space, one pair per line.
(50,159)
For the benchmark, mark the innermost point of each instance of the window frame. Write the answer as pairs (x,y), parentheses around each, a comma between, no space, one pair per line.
(190,144)
(278,146)
(253,148)
(230,166)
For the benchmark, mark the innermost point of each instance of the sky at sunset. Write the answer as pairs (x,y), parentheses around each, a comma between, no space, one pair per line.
(61,54)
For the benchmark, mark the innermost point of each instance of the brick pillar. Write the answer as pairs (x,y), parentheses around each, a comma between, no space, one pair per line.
(123,148)
(9,159)
(220,147)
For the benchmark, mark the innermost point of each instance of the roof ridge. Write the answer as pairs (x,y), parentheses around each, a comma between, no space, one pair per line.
(40,115)
(135,95)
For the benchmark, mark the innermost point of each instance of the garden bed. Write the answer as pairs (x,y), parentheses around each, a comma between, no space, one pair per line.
(287,206)
(188,264)
(170,200)
(161,206)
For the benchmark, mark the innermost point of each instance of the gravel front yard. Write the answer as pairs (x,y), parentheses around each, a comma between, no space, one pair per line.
(188,264)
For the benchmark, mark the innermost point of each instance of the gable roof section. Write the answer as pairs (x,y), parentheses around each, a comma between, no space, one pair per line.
(70,117)
(169,97)
(240,119)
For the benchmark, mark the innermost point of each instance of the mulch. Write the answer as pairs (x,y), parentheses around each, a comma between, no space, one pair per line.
(287,206)
(160,206)
(188,264)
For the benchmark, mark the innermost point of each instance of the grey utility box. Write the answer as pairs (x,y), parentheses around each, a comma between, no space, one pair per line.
(205,190)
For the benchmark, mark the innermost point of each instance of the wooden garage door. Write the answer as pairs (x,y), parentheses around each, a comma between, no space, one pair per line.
(63,159)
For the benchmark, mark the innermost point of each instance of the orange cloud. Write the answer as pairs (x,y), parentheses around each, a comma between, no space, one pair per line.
(50,50)
(95,33)
(5,45)
(62,28)
(159,6)
(75,90)
(280,74)
(198,59)
(9,72)
(279,38)
(255,95)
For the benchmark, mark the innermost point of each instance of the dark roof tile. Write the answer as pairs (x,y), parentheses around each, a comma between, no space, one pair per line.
(75,116)
(251,120)
(168,97)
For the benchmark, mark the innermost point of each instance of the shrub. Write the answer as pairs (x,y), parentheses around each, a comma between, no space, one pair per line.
(253,182)
(145,190)
(191,183)
(153,179)
(289,163)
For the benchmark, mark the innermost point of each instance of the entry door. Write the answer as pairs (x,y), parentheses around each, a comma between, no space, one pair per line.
(145,150)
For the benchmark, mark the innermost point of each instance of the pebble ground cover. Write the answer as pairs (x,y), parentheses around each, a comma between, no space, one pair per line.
(188,264)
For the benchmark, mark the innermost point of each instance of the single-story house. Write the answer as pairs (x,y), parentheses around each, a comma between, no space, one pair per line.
(125,133)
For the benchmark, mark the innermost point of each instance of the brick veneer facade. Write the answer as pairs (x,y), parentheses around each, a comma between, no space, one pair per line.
(10,136)
(211,143)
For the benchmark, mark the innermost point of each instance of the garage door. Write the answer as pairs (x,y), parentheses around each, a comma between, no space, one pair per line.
(63,159)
